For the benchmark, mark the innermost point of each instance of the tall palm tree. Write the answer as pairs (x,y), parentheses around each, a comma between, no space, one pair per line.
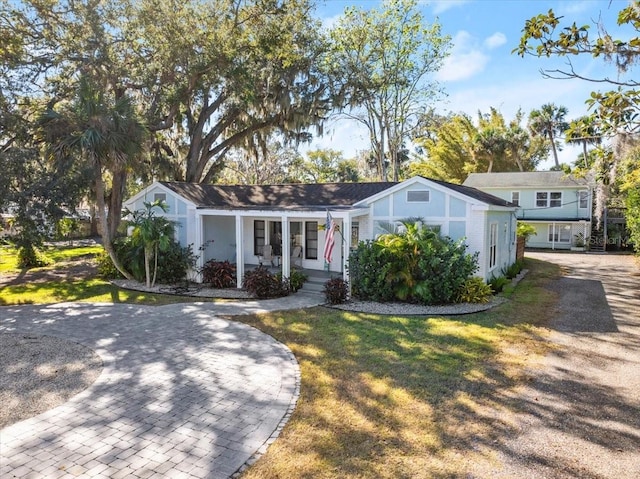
(549,121)
(490,145)
(585,132)
(106,135)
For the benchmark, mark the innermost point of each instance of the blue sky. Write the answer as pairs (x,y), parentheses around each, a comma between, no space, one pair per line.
(482,72)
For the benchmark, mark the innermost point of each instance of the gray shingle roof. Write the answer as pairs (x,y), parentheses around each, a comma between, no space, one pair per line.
(475,193)
(527,179)
(290,196)
(300,195)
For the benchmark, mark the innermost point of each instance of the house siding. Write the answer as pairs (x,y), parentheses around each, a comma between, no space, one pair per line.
(458,213)
(577,219)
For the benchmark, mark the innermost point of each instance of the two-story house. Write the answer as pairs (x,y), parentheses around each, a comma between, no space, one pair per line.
(558,205)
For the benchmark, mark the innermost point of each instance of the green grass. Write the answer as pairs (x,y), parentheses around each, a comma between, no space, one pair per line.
(93,290)
(404,397)
(85,290)
(57,254)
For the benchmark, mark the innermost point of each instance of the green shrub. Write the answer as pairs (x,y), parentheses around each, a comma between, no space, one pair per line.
(498,283)
(368,268)
(263,284)
(513,270)
(106,268)
(31,257)
(219,274)
(525,230)
(66,228)
(297,279)
(336,291)
(173,263)
(415,266)
(474,290)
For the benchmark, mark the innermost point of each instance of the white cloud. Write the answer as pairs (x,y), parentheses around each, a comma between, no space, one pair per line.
(329,22)
(465,61)
(572,8)
(494,41)
(440,6)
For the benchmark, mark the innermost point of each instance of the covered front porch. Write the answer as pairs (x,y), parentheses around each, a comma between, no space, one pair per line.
(279,240)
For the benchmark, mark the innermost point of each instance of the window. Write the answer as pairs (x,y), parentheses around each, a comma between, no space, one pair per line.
(296,233)
(355,234)
(159,197)
(418,196)
(275,237)
(583,199)
(493,244)
(311,240)
(515,198)
(556,199)
(548,199)
(559,233)
(258,237)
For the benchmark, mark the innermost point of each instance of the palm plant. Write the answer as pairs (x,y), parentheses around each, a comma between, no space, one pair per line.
(106,135)
(153,233)
(585,132)
(549,122)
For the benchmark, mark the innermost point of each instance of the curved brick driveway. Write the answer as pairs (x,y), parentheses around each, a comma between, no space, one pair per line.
(182,393)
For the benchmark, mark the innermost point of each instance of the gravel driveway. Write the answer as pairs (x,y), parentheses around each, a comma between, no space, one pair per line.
(580,416)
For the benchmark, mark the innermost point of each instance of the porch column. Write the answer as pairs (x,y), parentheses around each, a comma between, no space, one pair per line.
(286,247)
(346,246)
(197,246)
(239,251)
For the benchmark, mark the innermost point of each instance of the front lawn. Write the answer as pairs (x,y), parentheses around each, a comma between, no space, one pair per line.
(39,286)
(404,397)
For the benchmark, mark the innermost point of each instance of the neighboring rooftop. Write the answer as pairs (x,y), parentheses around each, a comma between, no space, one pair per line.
(527,179)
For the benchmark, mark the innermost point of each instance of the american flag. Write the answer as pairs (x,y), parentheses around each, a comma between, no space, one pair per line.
(329,241)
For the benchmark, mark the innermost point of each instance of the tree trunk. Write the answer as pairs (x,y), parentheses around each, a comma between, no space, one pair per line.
(155,266)
(553,148)
(584,152)
(106,237)
(115,201)
(490,164)
(147,266)
(93,222)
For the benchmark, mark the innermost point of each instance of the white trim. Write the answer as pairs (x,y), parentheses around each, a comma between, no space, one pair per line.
(156,184)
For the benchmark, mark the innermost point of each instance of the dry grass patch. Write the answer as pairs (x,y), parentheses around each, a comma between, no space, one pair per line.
(404,397)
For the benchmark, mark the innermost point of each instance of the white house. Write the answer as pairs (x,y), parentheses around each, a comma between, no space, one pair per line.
(235,223)
(558,205)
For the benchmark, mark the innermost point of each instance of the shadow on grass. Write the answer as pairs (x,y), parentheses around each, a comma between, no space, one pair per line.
(93,290)
(387,396)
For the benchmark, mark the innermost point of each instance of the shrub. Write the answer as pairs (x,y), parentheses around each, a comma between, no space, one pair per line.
(262,284)
(498,283)
(513,270)
(297,279)
(219,274)
(173,263)
(474,290)
(66,228)
(525,230)
(336,291)
(30,257)
(106,269)
(368,268)
(415,266)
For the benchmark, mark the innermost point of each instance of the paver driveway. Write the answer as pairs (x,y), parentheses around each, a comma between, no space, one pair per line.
(182,393)
(580,416)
